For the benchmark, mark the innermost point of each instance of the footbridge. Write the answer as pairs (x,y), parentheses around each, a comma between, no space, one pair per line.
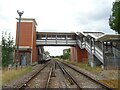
(100,46)
(55,39)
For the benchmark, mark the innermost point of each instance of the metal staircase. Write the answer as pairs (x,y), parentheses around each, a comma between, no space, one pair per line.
(91,49)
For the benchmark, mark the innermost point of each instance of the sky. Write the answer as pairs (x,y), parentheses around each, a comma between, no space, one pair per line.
(58,16)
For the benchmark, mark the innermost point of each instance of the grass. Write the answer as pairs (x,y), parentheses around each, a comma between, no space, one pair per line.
(85,66)
(9,75)
(110,83)
(0,78)
(56,58)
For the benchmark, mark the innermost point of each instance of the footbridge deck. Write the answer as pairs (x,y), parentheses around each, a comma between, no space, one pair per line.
(55,39)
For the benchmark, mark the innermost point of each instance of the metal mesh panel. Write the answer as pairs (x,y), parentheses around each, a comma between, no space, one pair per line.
(112,63)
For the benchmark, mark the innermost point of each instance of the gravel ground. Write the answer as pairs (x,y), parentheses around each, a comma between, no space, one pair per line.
(58,79)
(82,80)
(54,80)
(61,78)
(40,80)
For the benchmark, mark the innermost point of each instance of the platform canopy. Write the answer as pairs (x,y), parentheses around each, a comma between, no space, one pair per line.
(112,37)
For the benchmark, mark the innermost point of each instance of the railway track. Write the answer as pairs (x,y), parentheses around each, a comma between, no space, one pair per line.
(68,77)
(55,74)
(51,74)
(78,75)
(26,84)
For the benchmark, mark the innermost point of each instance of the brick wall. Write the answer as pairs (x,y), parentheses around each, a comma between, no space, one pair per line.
(82,54)
(78,54)
(27,38)
(25,34)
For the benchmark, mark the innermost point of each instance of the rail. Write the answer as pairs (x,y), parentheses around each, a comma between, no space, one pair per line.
(49,77)
(68,76)
(32,77)
(107,87)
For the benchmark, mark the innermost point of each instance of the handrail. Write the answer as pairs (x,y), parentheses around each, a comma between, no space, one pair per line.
(56,42)
(99,51)
(88,47)
(96,51)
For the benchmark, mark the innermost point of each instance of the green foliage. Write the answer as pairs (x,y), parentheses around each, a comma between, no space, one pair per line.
(114,20)
(57,57)
(66,54)
(7,49)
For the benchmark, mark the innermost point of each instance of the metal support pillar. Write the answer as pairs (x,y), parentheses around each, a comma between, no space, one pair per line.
(17,52)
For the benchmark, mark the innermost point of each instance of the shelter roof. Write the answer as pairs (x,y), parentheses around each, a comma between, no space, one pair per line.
(110,37)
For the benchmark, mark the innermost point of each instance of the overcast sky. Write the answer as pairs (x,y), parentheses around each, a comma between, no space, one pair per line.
(58,15)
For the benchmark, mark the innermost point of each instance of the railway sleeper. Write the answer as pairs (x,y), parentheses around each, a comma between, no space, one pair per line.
(68,78)
(53,72)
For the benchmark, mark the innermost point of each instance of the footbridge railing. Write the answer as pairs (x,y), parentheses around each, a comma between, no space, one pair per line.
(90,47)
(55,39)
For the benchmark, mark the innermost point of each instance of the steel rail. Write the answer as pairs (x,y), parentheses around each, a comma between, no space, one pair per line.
(69,76)
(49,77)
(25,84)
(107,87)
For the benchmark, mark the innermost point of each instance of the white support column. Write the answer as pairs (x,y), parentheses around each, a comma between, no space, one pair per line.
(46,39)
(81,40)
(90,40)
(84,40)
(93,45)
(56,39)
(103,55)
(66,40)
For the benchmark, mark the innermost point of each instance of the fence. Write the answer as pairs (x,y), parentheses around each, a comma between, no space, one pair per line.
(112,63)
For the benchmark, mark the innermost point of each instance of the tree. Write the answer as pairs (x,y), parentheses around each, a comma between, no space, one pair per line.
(66,54)
(7,49)
(114,20)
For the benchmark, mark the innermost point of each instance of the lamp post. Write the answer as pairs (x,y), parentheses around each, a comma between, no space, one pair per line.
(20,14)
